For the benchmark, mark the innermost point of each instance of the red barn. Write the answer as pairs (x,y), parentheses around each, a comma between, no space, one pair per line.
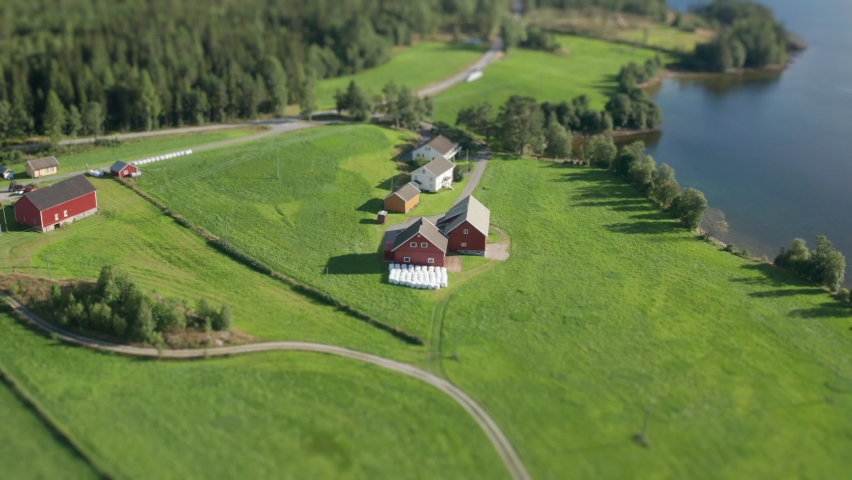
(122,170)
(421,243)
(51,207)
(466,226)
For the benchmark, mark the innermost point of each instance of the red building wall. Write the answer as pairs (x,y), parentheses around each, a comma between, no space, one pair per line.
(419,255)
(25,209)
(474,240)
(26,213)
(125,172)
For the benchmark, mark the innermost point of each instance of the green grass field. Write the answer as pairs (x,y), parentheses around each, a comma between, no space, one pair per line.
(169,259)
(319,217)
(418,66)
(30,449)
(664,36)
(607,308)
(589,68)
(136,149)
(282,415)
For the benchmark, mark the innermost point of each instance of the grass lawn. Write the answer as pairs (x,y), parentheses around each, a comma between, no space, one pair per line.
(271,415)
(30,449)
(590,68)
(135,149)
(171,260)
(607,309)
(664,36)
(320,217)
(418,66)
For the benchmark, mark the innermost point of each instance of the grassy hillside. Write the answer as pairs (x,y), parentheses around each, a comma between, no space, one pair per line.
(589,68)
(320,216)
(169,259)
(285,415)
(137,148)
(608,308)
(417,67)
(30,449)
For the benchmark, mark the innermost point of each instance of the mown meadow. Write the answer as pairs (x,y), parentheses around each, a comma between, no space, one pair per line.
(171,260)
(588,67)
(30,448)
(283,414)
(609,315)
(97,157)
(417,67)
(317,223)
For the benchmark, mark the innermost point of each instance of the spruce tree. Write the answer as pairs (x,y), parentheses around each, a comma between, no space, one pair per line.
(54,117)
(309,97)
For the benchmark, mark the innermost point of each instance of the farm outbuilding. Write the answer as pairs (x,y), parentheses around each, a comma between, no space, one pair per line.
(41,167)
(466,226)
(7,173)
(123,170)
(404,200)
(421,243)
(51,207)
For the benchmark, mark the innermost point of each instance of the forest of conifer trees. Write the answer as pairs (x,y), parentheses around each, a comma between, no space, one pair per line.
(71,67)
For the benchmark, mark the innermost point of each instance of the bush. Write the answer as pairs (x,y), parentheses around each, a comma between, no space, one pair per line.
(108,142)
(732,249)
(223,319)
(746,253)
(12,157)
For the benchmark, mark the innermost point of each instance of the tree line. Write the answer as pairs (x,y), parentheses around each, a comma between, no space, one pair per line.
(401,105)
(748,36)
(657,9)
(116,306)
(91,66)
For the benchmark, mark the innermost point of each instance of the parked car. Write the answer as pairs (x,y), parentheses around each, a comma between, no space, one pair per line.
(29,188)
(14,187)
(96,173)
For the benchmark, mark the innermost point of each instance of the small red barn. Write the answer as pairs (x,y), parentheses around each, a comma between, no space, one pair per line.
(51,207)
(421,243)
(122,170)
(466,226)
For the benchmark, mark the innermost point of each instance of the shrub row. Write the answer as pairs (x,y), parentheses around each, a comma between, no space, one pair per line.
(261,267)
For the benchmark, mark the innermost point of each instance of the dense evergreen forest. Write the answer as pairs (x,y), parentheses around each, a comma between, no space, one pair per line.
(657,9)
(80,66)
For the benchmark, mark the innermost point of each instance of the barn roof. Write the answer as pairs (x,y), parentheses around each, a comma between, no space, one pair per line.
(59,193)
(5,169)
(469,209)
(423,227)
(118,166)
(406,192)
(44,162)
(442,144)
(439,166)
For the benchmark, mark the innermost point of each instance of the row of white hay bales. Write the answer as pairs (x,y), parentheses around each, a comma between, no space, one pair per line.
(161,157)
(416,276)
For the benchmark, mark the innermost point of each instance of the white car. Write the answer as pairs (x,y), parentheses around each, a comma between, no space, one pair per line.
(96,173)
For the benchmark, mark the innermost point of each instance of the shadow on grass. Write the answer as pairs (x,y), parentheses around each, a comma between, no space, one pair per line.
(368,221)
(644,227)
(372,205)
(355,264)
(788,292)
(830,309)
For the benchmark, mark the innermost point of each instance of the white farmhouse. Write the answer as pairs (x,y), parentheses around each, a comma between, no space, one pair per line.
(439,146)
(434,176)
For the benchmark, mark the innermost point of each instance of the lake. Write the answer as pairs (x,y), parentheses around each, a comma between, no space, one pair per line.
(773,152)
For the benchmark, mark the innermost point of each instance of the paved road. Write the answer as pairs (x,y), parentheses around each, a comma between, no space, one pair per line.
(492,430)
(490,55)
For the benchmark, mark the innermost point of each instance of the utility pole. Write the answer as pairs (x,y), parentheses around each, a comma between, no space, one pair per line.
(49,276)
(278,163)
(4,220)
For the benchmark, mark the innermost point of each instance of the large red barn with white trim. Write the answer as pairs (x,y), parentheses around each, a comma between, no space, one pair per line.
(419,244)
(51,207)
(466,225)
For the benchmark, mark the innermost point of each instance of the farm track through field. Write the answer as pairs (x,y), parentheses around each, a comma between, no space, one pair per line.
(504,448)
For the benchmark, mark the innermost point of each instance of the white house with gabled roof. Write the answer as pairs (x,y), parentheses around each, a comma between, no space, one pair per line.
(434,176)
(439,146)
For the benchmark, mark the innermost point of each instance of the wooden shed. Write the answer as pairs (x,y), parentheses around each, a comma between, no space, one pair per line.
(122,170)
(42,166)
(404,200)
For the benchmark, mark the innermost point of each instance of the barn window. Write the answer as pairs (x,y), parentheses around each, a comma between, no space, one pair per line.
(465,231)
(431,260)
(65,212)
(406,260)
(56,217)
(424,245)
(413,244)
(464,244)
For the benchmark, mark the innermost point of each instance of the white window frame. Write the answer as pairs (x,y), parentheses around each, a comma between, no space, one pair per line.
(413,244)
(424,245)
(465,231)
(56,217)
(406,260)
(431,260)
(463,245)
(65,213)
